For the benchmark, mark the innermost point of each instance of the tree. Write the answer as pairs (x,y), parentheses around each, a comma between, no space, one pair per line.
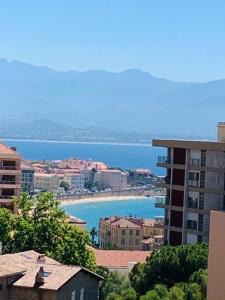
(93,234)
(176,293)
(136,277)
(65,185)
(42,226)
(174,264)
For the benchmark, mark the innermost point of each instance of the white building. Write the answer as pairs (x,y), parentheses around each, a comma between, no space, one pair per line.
(75,181)
(114,179)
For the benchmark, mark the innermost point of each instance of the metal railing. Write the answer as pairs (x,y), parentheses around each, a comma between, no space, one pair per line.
(193,183)
(9,182)
(163,160)
(194,162)
(9,168)
(160,200)
(6,196)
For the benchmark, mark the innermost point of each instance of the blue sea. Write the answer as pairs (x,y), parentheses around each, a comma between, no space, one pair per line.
(116,155)
(92,212)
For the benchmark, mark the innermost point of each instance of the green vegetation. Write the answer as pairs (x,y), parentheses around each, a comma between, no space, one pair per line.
(65,185)
(42,226)
(174,273)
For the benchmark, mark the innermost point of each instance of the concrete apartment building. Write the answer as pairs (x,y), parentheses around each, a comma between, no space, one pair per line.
(114,179)
(195,185)
(27,179)
(128,233)
(216,260)
(46,182)
(32,276)
(10,173)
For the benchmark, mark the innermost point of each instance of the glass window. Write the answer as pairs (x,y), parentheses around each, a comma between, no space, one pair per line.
(82,294)
(73,295)
(123,232)
(137,232)
(131,231)
(137,242)
(122,241)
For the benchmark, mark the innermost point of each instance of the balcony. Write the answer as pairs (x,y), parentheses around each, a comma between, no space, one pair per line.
(9,184)
(194,162)
(161,202)
(192,225)
(9,170)
(163,160)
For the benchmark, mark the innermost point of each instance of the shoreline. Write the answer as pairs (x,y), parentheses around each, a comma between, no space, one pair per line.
(101,199)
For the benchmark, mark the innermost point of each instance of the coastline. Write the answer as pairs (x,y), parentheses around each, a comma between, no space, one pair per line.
(101,199)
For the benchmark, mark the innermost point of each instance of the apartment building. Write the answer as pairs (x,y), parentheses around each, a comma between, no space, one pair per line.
(114,179)
(75,181)
(128,233)
(9,175)
(195,185)
(46,182)
(27,179)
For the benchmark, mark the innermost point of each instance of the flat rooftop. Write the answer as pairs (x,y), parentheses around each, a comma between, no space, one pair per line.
(190,144)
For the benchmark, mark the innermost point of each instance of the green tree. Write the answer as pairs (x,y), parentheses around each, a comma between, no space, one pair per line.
(93,234)
(65,185)
(136,277)
(174,264)
(42,226)
(151,295)
(7,220)
(176,293)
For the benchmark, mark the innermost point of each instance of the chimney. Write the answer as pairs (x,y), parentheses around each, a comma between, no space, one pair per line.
(39,278)
(13,148)
(41,259)
(221,132)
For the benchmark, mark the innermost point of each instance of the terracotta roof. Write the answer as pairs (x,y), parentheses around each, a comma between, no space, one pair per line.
(5,149)
(119,258)
(124,223)
(56,276)
(20,262)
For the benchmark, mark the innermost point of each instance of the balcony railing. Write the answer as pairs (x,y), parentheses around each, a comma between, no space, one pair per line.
(163,160)
(6,196)
(194,162)
(193,183)
(9,168)
(160,201)
(9,182)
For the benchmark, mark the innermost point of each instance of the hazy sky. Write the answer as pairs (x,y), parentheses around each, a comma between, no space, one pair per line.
(176,39)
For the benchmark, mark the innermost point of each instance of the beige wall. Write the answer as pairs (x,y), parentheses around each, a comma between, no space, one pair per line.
(216,262)
(48,183)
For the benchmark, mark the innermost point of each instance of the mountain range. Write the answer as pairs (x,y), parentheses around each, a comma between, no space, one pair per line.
(39,102)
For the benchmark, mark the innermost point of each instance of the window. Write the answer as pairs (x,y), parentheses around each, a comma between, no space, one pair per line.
(123,232)
(131,231)
(137,232)
(122,241)
(137,242)
(130,242)
(73,295)
(82,294)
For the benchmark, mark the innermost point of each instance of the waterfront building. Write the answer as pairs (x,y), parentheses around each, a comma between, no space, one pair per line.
(195,185)
(27,179)
(129,233)
(31,275)
(46,182)
(216,261)
(75,181)
(10,173)
(114,179)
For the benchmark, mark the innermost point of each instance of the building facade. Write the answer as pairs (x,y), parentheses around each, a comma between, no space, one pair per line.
(75,181)
(10,173)
(27,179)
(195,185)
(46,182)
(114,179)
(128,233)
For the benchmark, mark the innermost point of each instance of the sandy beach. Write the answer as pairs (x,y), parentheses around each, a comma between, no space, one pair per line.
(100,199)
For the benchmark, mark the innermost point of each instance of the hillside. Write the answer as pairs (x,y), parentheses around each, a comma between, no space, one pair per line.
(131,101)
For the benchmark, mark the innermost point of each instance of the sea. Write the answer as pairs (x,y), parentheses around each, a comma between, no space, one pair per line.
(116,155)
(92,212)
(128,156)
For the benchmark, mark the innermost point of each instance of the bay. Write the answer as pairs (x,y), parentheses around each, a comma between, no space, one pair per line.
(92,212)
(116,155)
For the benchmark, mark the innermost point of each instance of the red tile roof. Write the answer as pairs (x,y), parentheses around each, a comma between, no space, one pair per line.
(119,258)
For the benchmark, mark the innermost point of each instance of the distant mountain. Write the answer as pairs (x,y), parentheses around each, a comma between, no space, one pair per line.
(131,101)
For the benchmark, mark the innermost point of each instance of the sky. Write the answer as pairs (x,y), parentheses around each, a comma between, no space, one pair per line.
(175,39)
